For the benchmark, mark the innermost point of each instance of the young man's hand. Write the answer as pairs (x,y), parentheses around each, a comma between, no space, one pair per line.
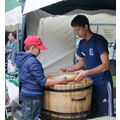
(63,70)
(81,76)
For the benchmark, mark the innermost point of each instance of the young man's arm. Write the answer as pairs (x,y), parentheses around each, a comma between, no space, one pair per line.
(102,67)
(75,67)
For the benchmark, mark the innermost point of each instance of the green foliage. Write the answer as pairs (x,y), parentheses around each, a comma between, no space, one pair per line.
(11,4)
(114,81)
(8,118)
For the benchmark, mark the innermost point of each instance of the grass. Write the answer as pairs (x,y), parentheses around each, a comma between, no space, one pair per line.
(114,81)
(8,118)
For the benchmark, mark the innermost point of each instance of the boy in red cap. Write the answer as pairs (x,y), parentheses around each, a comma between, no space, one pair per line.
(32,78)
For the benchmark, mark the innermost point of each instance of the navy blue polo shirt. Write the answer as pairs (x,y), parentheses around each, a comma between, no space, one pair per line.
(91,50)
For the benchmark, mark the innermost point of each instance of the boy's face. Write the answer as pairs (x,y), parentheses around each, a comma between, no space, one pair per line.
(36,51)
(80,31)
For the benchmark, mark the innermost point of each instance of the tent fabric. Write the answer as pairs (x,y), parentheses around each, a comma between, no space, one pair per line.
(34,21)
(69,5)
(31,23)
(61,7)
(32,5)
(94,12)
(97,16)
(13,19)
(57,35)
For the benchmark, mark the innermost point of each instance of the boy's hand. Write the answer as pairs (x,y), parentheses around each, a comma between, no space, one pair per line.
(64,80)
(48,76)
(63,70)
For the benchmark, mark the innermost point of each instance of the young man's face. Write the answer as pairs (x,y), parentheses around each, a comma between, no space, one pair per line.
(80,31)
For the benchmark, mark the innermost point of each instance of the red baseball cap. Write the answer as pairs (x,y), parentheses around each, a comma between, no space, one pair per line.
(34,40)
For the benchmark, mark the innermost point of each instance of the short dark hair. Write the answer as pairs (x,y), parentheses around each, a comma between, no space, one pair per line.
(13,34)
(80,20)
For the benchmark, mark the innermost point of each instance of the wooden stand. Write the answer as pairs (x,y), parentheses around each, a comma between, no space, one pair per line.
(71,101)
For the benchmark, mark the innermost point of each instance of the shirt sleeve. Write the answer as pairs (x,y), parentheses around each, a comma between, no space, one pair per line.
(14,52)
(79,52)
(6,48)
(101,45)
(37,72)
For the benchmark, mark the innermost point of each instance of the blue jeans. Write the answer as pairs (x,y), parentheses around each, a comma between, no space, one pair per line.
(30,109)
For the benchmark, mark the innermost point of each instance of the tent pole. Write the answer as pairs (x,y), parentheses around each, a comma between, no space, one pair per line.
(17,29)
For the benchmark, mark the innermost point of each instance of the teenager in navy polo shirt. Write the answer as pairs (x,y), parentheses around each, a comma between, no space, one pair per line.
(93,53)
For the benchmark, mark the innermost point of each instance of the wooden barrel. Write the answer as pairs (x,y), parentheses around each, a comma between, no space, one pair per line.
(70,101)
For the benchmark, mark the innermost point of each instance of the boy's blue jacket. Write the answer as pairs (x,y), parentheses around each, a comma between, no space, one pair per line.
(31,75)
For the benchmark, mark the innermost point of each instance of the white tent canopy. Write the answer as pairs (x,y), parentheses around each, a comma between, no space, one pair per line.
(57,35)
(32,5)
(13,19)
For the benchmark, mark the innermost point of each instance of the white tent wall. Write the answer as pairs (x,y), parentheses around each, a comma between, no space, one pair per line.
(32,5)
(93,12)
(32,21)
(97,16)
(57,35)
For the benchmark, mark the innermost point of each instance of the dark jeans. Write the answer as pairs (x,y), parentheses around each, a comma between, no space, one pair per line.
(30,109)
(102,99)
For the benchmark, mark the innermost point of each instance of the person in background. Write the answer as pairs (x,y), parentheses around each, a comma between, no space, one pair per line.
(93,54)
(11,51)
(32,78)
